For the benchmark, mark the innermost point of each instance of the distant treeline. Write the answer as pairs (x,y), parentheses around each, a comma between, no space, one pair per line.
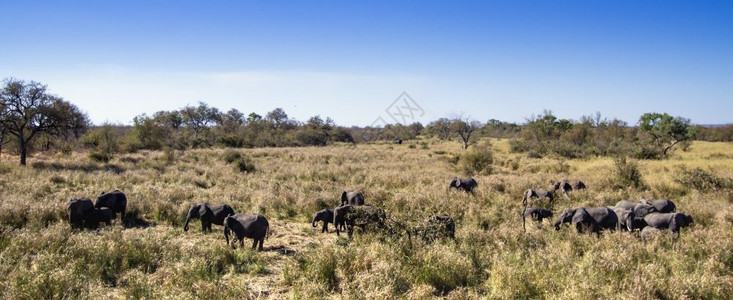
(33,120)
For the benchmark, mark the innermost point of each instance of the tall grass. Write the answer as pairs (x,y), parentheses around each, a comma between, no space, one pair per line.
(491,257)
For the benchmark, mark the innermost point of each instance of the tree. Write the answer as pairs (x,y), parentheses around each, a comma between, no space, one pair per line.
(200,118)
(440,128)
(4,138)
(28,110)
(278,118)
(665,131)
(465,130)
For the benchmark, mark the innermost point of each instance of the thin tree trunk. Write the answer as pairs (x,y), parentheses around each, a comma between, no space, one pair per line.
(22,153)
(22,143)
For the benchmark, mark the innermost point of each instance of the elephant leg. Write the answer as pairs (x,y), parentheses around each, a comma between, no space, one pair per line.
(254,244)
(325,227)
(262,242)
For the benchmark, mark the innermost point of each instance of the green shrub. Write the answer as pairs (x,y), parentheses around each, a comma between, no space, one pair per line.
(478,160)
(627,174)
(245,165)
(231,156)
(701,180)
(100,156)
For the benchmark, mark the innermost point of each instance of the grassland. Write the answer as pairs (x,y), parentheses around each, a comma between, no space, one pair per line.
(41,257)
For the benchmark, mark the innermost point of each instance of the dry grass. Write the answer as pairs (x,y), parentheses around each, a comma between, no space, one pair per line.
(491,258)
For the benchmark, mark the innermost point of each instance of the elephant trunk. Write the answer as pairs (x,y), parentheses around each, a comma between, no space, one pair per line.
(315,219)
(188,218)
(557,224)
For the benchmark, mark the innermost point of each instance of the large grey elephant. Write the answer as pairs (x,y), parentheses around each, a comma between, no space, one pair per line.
(626,218)
(353,198)
(642,209)
(362,216)
(625,204)
(79,212)
(247,226)
(325,216)
(538,194)
(593,218)
(114,200)
(209,214)
(101,215)
(661,205)
(567,186)
(671,221)
(463,184)
(537,214)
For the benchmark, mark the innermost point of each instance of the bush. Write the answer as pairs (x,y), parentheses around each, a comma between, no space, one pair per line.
(478,160)
(231,156)
(701,180)
(627,174)
(244,165)
(100,156)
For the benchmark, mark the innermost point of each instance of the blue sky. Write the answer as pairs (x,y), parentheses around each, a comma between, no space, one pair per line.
(350,60)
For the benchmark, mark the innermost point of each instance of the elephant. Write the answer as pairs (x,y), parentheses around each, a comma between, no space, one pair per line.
(567,186)
(114,200)
(246,226)
(79,211)
(625,204)
(101,215)
(626,218)
(537,214)
(532,193)
(642,209)
(648,232)
(436,226)
(208,213)
(361,216)
(326,216)
(594,218)
(671,221)
(661,205)
(353,198)
(463,184)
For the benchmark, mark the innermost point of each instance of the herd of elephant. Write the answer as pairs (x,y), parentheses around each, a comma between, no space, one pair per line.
(83,213)
(648,216)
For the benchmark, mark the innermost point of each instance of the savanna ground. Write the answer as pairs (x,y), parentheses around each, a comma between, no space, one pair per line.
(41,257)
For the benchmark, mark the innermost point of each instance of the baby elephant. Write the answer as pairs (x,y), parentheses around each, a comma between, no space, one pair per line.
(101,215)
(463,184)
(246,226)
(114,200)
(353,198)
(648,233)
(325,216)
(538,214)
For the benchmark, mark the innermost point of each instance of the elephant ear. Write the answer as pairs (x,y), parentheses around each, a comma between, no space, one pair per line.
(689,220)
(203,209)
